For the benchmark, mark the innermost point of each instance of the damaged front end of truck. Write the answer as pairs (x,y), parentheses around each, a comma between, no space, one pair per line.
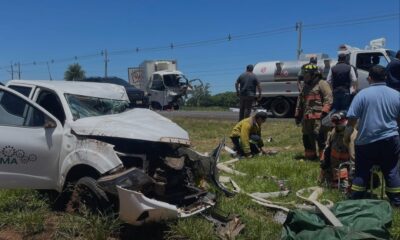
(158,180)
(165,185)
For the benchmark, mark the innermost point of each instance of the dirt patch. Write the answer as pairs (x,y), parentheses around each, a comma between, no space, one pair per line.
(9,234)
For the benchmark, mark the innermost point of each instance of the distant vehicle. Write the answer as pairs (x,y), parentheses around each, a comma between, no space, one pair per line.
(57,134)
(136,96)
(165,85)
(278,79)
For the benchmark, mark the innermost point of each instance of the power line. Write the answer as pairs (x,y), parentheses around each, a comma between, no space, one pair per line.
(228,38)
(351,21)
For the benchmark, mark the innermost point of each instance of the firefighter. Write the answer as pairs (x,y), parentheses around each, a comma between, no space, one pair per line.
(300,75)
(246,135)
(338,158)
(313,104)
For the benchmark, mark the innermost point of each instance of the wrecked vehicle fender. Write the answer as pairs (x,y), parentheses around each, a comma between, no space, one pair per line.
(96,154)
(207,165)
(150,210)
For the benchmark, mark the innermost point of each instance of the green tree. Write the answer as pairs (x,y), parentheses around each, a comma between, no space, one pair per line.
(74,72)
(226,99)
(200,96)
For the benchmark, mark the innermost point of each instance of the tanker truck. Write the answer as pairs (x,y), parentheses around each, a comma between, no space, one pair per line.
(162,82)
(278,79)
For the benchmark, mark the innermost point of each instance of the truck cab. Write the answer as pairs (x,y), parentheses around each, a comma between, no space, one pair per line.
(166,89)
(164,84)
(363,60)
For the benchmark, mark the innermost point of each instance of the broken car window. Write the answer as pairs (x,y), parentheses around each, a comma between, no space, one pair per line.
(157,83)
(174,80)
(85,106)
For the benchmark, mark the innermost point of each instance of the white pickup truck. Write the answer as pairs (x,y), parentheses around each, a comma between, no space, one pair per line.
(56,134)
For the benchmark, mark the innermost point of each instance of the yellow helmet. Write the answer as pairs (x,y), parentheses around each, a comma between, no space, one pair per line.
(311,68)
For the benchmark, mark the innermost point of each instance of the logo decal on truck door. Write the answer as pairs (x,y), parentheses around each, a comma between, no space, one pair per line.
(10,155)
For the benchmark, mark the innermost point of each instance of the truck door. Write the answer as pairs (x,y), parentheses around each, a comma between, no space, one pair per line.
(157,91)
(30,143)
(364,61)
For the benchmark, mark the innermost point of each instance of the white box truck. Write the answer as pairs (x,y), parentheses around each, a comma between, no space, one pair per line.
(163,83)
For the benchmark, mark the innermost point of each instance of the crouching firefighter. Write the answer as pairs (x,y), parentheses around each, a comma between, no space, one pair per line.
(338,162)
(246,135)
(313,104)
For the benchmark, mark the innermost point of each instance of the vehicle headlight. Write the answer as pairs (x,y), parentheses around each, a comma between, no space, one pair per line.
(174,162)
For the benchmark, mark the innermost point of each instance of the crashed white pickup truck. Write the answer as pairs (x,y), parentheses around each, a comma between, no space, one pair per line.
(55,134)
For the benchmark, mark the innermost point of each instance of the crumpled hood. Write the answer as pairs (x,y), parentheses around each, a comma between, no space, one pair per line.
(141,124)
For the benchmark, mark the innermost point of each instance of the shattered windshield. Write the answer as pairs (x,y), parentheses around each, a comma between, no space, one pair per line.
(85,106)
(175,80)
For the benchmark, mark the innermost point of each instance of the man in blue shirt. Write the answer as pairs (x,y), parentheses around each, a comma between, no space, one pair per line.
(377,109)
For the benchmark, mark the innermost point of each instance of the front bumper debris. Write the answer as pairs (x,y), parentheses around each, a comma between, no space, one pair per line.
(136,209)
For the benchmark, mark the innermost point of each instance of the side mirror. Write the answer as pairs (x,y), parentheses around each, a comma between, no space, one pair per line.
(49,123)
(149,94)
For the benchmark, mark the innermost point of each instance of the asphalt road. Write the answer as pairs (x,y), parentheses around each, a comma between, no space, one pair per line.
(216,115)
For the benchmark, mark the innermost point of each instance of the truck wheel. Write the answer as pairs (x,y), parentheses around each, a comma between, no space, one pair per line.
(155,106)
(280,107)
(86,194)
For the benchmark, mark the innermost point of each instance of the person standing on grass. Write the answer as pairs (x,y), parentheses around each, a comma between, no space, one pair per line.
(313,104)
(300,75)
(377,109)
(246,135)
(343,81)
(246,86)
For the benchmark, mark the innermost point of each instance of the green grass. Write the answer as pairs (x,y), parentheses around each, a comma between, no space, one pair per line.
(27,213)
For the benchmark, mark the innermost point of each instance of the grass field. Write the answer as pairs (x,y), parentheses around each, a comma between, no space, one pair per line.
(26,214)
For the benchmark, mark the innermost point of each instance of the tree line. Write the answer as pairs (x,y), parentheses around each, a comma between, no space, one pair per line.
(201,97)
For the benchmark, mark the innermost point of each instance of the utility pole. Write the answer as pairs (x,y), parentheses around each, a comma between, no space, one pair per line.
(299,29)
(12,72)
(19,71)
(105,62)
(48,69)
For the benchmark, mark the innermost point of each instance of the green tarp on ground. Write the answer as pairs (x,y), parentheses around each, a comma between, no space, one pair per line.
(361,219)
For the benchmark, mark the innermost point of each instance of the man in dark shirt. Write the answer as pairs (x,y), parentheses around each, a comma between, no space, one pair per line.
(393,72)
(343,81)
(246,86)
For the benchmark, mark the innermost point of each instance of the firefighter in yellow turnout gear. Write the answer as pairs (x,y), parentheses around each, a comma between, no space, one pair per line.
(313,103)
(246,135)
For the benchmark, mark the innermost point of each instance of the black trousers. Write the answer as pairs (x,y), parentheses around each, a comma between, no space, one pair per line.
(254,149)
(245,106)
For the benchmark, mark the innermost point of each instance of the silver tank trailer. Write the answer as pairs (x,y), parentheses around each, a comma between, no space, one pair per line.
(278,80)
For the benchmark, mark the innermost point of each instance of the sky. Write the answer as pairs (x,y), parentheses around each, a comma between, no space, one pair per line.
(221,36)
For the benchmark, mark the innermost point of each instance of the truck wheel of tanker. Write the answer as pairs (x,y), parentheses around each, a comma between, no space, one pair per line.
(280,107)
(87,195)
(155,106)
